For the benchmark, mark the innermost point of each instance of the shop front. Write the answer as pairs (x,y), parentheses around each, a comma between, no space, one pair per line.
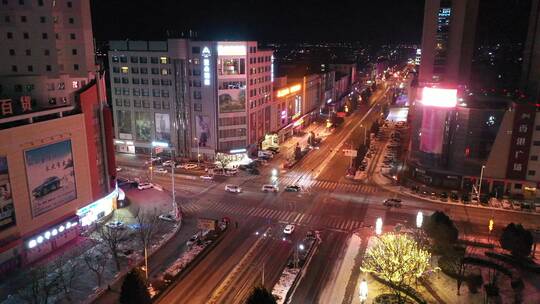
(233,159)
(104,206)
(51,238)
(270,141)
(125,146)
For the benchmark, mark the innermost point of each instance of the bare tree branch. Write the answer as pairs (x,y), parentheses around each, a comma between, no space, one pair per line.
(112,239)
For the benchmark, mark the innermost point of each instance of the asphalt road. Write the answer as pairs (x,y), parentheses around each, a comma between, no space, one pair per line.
(328,202)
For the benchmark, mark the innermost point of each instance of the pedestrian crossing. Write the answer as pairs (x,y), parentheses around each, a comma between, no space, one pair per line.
(284,216)
(308,184)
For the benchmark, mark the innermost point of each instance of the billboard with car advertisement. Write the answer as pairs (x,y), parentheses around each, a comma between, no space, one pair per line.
(7,211)
(51,176)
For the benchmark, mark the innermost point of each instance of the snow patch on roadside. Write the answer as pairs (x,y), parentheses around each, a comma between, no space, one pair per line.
(285,282)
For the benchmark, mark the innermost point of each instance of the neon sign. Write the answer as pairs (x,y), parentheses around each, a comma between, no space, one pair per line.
(206,65)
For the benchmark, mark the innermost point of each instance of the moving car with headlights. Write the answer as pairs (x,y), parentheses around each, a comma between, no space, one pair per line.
(115,225)
(293,188)
(161,171)
(233,188)
(289,229)
(392,202)
(144,186)
(269,188)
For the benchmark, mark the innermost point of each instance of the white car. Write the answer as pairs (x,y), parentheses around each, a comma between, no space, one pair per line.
(207,177)
(192,240)
(161,171)
(288,229)
(144,186)
(269,188)
(168,163)
(118,169)
(167,217)
(233,188)
(115,225)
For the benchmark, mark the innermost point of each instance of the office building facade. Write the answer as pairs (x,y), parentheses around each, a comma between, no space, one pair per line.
(47,50)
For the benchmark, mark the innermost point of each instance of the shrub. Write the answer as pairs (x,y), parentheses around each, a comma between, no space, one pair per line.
(517,240)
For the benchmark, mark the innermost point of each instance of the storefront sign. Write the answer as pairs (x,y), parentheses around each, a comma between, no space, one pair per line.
(206,224)
(98,209)
(7,210)
(52,233)
(9,107)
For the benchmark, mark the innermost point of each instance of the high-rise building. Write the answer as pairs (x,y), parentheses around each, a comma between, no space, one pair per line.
(47,50)
(530,76)
(448,41)
(201,97)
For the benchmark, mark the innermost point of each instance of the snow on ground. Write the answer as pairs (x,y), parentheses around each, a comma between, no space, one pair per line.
(186,258)
(285,282)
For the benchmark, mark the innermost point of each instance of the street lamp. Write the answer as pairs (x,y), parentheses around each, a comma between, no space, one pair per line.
(419,219)
(155,144)
(198,152)
(363,291)
(301,247)
(378,226)
(365,133)
(480,185)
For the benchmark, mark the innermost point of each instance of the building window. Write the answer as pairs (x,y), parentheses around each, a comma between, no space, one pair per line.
(71,20)
(144,70)
(30,68)
(134,59)
(116,79)
(23,18)
(135,70)
(69,4)
(163,60)
(117,91)
(164,93)
(127,103)
(135,80)
(123,59)
(18,88)
(42,19)
(48,68)
(197,95)
(118,102)
(136,92)
(12,52)
(156,93)
(155,71)
(166,105)
(531,172)
(28,52)
(7,19)
(157,104)
(73,51)
(125,80)
(125,91)
(197,107)
(534,157)
(145,92)
(536,143)
(72,36)
(144,81)
(165,72)
(154,60)
(124,70)
(146,104)
(143,59)
(40,2)
(26,35)
(137,103)
(76,67)
(46,52)
(195,50)
(116,69)
(9,35)
(115,59)
(518,186)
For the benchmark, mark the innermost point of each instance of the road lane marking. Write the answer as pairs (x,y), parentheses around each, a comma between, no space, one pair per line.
(235,271)
(297,217)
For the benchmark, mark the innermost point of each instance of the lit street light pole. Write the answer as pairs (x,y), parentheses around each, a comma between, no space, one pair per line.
(363,291)
(480,184)
(198,151)
(378,226)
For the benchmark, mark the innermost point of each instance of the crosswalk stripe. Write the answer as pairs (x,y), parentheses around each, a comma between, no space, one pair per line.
(282,215)
(272,213)
(301,217)
(266,213)
(308,218)
(355,225)
(296,218)
(259,212)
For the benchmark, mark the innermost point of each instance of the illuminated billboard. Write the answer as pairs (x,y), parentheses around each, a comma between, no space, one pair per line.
(163,127)
(432,130)
(232,101)
(436,97)
(231,50)
(51,176)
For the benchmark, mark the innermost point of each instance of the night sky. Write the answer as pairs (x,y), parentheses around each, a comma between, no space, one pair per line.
(373,21)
